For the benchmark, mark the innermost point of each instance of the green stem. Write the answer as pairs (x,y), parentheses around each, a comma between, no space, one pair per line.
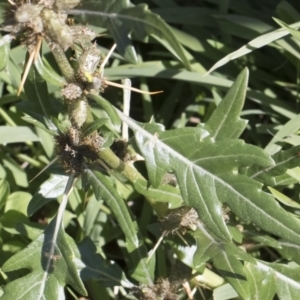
(7,118)
(63,63)
(111,160)
(26,158)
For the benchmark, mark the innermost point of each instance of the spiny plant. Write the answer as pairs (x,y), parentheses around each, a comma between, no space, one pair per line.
(203,183)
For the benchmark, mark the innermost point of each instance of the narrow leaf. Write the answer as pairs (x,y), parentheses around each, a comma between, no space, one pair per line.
(163,193)
(107,107)
(94,267)
(225,121)
(18,134)
(48,191)
(262,285)
(258,42)
(4,191)
(103,189)
(293,32)
(94,126)
(122,18)
(287,279)
(49,273)
(283,198)
(47,73)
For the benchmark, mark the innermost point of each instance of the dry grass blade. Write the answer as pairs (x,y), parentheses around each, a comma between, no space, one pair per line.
(131,88)
(156,246)
(33,57)
(44,169)
(118,84)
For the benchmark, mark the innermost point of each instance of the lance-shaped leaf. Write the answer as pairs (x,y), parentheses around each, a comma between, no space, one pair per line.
(204,170)
(4,191)
(262,284)
(121,18)
(50,273)
(95,125)
(287,278)
(258,42)
(94,267)
(109,109)
(48,191)
(4,51)
(207,175)
(289,251)
(164,193)
(226,258)
(225,122)
(103,189)
(295,33)
(284,160)
(48,73)
(9,134)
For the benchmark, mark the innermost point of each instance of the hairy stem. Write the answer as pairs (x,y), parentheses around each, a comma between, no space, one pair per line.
(63,63)
(111,160)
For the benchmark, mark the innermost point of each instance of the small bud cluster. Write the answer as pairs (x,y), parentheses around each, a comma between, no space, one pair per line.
(119,147)
(73,150)
(163,289)
(46,19)
(180,220)
(40,18)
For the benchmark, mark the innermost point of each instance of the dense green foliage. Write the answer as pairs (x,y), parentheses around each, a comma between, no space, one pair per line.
(202,202)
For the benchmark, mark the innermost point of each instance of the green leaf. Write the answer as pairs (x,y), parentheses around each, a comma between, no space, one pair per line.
(287,278)
(291,127)
(289,251)
(262,238)
(293,32)
(121,18)
(48,191)
(36,91)
(284,160)
(4,191)
(17,173)
(262,285)
(197,16)
(33,110)
(30,230)
(51,262)
(4,54)
(283,198)
(202,164)
(226,258)
(47,72)
(90,128)
(225,121)
(39,124)
(232,269)
(103,189)
(224,292)
(258,42)
(20,134)
(287,12)
(97,268)
(163,193)
(206,175)
(107,107)
(15,211)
